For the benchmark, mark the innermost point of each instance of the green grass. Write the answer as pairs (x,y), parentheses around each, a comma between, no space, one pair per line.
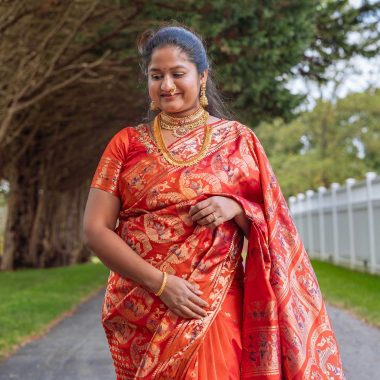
(33,299)
(356,291)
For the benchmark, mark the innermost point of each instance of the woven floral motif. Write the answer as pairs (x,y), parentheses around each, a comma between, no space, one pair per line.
(286,331)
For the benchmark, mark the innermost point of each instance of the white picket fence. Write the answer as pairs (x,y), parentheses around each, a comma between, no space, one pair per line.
(341,224)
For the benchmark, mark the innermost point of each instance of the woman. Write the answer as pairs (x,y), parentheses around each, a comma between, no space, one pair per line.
(186,188)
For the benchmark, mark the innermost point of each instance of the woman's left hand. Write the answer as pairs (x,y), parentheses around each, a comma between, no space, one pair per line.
(215,210)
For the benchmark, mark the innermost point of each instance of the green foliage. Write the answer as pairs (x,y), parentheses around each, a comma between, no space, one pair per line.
(69,76)
(336,22)
(322,146)
(257,46)
(251,44)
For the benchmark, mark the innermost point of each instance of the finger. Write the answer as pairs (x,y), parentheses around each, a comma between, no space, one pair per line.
(215,224)
(193,287)
(189,313)
(198,206)
(202,213)
(179,312)
(211,218)
(199,301)
(196,309)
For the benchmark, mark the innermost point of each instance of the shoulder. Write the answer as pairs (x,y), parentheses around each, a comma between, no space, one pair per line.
(246,136)
(240,129)
(243,129)
(129,134)
(118,145)
(122,138)
(122,134)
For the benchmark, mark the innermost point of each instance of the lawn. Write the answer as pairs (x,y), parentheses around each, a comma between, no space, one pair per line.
(356,291)
(32,299)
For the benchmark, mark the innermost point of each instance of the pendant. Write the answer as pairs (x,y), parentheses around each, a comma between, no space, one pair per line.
(157,133)
(180,131)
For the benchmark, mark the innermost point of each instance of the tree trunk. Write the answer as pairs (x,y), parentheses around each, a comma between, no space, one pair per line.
(44,226)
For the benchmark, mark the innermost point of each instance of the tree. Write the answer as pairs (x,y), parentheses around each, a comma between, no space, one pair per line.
(328,144)
(78,59)
(51,81)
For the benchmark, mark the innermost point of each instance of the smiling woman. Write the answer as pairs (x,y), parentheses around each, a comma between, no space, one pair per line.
(187,187)
(173,80)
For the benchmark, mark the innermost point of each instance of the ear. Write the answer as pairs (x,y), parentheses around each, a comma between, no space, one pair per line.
(204,76)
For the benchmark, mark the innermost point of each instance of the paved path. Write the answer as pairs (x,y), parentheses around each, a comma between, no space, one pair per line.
(76,349)
(359,345)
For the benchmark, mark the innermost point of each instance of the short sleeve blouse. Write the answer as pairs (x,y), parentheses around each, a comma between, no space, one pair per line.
(107,173)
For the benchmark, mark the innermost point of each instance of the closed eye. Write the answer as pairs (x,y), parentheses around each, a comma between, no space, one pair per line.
(158,77)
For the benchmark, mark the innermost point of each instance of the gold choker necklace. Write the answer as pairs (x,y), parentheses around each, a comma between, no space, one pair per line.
(165,151)
(180,126)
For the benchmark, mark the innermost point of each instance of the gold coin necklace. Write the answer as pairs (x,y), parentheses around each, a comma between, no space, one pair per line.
(165,151)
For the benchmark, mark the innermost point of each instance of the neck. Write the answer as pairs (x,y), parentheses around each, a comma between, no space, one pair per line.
(192,119)
(185,113)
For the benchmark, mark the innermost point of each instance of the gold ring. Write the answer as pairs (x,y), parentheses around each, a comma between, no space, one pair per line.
(214,217)
(172,90)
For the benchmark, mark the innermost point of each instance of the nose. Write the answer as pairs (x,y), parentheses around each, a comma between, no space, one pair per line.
(167,83)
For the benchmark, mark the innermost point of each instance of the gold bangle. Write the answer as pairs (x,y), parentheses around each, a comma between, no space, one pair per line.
(162,285)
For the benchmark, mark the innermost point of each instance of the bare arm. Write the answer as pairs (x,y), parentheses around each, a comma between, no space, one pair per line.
(100,218)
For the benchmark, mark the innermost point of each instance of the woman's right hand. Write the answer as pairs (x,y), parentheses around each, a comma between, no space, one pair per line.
(182,297)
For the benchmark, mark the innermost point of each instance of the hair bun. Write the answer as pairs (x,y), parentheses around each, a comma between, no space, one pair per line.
(143,39)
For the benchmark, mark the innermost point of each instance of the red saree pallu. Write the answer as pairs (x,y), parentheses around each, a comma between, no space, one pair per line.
(266,322)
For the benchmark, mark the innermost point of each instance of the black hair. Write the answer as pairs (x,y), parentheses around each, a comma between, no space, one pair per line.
(191,44)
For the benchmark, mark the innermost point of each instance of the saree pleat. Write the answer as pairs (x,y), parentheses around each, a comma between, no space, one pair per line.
(219,355)
(266,323)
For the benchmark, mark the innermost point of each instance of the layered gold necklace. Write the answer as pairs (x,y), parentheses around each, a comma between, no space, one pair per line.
(180,126)
(187,123)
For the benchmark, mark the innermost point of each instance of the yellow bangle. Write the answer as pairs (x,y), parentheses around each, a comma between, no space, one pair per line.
(162,285)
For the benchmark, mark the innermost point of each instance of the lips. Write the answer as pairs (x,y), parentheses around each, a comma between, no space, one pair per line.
(168,95)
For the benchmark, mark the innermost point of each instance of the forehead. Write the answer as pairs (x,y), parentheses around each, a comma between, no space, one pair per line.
(169,57)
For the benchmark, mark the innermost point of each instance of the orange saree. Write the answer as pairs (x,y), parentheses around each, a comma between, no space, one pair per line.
(266,322)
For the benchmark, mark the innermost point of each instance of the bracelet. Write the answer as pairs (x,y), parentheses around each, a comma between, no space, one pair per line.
(162,285)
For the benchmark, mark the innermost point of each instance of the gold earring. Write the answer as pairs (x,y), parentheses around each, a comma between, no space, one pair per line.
(203,98)
(153,106)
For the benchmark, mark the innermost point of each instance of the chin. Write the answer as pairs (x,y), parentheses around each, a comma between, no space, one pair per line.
(171,108)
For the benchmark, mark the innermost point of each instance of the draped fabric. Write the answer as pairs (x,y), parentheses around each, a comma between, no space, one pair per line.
(219,355)
(273,325)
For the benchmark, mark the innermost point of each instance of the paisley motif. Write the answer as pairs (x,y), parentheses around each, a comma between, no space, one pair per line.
(286,332)
(136,305)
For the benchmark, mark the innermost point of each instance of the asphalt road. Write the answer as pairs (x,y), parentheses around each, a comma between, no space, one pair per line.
(76,349)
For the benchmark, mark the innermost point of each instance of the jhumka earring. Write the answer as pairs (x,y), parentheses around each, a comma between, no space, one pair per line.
(203,98)
(153,106)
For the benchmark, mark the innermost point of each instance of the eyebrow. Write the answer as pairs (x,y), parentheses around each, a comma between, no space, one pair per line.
(173,68)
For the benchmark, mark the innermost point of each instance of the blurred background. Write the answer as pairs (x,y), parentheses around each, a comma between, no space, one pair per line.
(304,75)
